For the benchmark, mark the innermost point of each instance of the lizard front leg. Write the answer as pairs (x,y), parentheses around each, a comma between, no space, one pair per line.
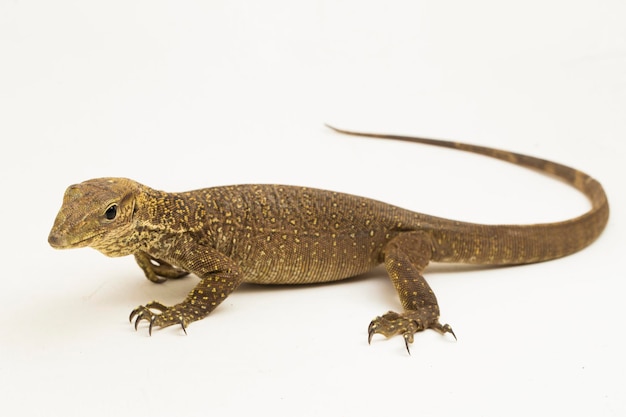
(219,276)
(406,256)
(157,270)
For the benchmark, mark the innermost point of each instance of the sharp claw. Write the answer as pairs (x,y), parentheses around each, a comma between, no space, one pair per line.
(151,324)
(133,314)
(406,343)
(446,329)
(371,330)
(450,331)
(182,324)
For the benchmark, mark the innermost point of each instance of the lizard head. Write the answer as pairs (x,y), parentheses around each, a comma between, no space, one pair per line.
(97,213)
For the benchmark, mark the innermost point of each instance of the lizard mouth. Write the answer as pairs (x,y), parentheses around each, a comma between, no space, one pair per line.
(59,241)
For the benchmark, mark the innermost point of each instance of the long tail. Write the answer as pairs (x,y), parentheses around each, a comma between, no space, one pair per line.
(536,242)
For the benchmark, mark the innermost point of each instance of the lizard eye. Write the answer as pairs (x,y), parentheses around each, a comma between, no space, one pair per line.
(111,212)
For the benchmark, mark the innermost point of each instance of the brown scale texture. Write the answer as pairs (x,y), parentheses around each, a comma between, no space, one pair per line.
(276,234)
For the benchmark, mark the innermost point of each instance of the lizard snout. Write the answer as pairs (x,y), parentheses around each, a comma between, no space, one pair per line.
(56,240)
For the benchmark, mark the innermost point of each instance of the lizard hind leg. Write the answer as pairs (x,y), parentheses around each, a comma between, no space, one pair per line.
(406,256)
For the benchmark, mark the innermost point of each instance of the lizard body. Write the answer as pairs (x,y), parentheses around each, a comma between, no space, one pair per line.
(279,234)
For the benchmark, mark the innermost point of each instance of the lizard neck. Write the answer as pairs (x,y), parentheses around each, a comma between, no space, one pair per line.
(164,218)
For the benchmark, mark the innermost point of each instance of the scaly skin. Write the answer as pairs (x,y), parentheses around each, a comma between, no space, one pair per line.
(278,234)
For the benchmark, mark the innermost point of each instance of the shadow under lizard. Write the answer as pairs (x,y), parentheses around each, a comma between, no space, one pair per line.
(279,234)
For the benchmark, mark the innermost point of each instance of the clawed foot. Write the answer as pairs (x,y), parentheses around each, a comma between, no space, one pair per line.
(406,324)
(165,317)
(157,270)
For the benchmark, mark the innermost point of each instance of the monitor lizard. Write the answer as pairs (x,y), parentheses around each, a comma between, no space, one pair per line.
(280,234)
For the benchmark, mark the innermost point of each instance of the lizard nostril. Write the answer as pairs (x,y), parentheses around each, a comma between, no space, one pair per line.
(55,240)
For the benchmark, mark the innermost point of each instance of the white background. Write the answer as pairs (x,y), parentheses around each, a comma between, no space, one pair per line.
(188,94)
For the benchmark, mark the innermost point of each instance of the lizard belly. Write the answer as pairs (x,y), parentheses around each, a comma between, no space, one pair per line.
(309,260)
